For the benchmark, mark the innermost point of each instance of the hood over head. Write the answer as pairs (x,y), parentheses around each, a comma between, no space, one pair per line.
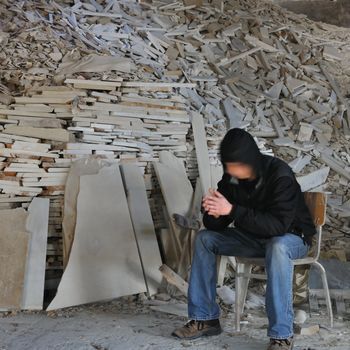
(239,146)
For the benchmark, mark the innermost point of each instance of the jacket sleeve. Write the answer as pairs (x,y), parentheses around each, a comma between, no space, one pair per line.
(212,223)
(277,217)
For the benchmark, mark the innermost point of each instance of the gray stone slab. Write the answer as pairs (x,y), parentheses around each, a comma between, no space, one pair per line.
(37,227)
(143,225)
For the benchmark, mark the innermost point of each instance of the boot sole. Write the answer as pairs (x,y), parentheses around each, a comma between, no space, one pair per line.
(204,334)
(292,346)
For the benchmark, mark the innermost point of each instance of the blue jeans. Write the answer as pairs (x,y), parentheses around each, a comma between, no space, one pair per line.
(278,252)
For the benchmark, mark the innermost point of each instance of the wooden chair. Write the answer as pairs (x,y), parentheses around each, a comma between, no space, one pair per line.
(316,202)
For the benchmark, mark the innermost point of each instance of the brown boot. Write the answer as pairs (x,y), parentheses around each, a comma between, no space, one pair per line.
(195,329)
(281,344)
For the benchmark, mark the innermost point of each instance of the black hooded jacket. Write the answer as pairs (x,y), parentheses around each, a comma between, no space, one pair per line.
(272,204)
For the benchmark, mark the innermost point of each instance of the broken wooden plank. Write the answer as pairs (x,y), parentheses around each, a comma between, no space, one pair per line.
(174,279)
(42,133)
(93,84)
(334,166)
(313,180)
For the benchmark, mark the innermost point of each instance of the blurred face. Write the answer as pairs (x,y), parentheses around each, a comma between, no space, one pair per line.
(240,171)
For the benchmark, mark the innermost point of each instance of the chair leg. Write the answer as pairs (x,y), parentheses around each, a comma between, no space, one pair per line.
(241,288)
(232,261)
(326,291)
(222,265)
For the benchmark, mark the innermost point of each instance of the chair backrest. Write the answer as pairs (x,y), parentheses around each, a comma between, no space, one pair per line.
(317,203)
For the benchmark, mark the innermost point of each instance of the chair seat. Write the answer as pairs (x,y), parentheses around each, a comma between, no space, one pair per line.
(261,261)
(251,261)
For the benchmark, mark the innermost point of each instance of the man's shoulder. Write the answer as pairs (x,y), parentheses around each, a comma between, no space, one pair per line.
(277,168)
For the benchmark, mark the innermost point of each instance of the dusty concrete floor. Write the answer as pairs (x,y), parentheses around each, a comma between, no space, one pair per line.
(129,325)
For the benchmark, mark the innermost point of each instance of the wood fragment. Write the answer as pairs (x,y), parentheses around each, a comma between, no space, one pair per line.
(174,279)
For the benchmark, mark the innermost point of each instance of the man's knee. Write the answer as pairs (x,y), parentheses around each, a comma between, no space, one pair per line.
(276,249)
(205,238)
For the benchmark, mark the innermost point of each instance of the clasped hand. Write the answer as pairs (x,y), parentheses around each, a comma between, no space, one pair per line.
(216,204)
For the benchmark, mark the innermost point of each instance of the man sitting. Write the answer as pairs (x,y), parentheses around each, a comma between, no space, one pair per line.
(260,194)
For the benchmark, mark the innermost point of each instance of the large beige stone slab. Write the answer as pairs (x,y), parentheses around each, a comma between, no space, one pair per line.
(84,166)
(104,262)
